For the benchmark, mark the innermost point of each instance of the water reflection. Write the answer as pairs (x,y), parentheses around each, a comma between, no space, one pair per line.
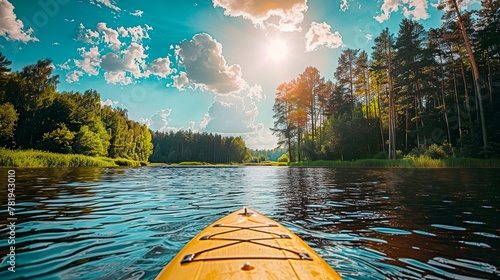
(127,223)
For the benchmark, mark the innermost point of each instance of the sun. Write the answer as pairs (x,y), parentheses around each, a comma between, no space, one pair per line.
(277,50)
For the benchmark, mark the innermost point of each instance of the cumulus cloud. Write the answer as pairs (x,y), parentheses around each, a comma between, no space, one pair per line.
(233,113)
(205,66)
(284,15)
(319,35)
(137,13)
(181,81)
(123,62)
(260,139)
(74,76)
(414,9)
(160,67)
(12,28)
(87,35)
(106,3)
(229,118)
(131,61)
(138,32)
(90,62)
(117,77)
(159,121)
(110,36)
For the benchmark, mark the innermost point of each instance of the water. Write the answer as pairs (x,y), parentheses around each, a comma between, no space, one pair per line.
(127,223)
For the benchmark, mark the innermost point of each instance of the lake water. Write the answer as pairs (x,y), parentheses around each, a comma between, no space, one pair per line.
(127,223)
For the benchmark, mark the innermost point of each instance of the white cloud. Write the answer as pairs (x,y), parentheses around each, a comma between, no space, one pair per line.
(206,119)
(414,9)
(462,5)
(106,3)
(110,36)
(73,76)
(131,61)
(55,44)
(206,67)
(369,37)
(12,28)
(117,77)
(137,13)
(233,113)
(158,121)
(319,35)
(160,67)
(344,5)
(181,81)
(255,93)
(138,32)
(284,15)
(90,62)
(260,139)
(109,102)
(87,35)
(65,65)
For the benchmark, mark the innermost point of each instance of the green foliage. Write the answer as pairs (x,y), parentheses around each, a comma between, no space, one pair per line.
(88,143)
(419,88)
(186,146)
(64,122)
(34,158)
(128,162)
(284,158)
(8,122)
(436,152)
(59,140)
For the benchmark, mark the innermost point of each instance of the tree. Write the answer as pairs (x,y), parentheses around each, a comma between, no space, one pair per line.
(59,140)
(283,108)
(310,85)
(8,122)
(4,65)
(345,75)
(383,56)
(453,6)
(88,143)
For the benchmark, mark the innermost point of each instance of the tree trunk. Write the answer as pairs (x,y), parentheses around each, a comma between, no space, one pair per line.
(475,70)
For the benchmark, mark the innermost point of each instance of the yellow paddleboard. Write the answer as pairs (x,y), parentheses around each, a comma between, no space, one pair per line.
(247,245)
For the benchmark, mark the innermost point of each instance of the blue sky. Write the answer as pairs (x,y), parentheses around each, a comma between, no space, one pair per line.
(204,65)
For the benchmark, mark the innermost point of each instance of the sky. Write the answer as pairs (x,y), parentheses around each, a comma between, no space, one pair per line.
(202,65)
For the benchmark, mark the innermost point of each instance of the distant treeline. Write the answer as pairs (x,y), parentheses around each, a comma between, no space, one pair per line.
(185,146)
(33,115)
(267,155)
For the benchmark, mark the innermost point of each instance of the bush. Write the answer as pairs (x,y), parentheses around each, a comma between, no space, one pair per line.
(284,158)
(438,152)
(381,155)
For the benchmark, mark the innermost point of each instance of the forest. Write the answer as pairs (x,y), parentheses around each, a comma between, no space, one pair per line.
(33,115)
(187,146)
(420,92)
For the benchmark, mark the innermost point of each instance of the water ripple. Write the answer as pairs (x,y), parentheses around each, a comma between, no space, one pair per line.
(128,223)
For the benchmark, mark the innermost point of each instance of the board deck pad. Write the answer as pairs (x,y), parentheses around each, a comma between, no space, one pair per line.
(247,245)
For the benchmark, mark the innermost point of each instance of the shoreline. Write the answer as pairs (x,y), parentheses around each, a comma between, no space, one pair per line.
(37,158)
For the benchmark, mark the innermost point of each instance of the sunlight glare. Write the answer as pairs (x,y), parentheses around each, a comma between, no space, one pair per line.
(277,50)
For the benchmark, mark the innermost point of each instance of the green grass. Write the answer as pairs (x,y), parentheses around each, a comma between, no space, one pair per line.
(192,163)
(422,161)
(35,158)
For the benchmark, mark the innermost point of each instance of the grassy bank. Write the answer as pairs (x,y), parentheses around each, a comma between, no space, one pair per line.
(34,158)
(422,161)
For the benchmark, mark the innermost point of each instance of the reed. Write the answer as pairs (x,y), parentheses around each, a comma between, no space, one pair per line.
(415,162)
(35,158)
